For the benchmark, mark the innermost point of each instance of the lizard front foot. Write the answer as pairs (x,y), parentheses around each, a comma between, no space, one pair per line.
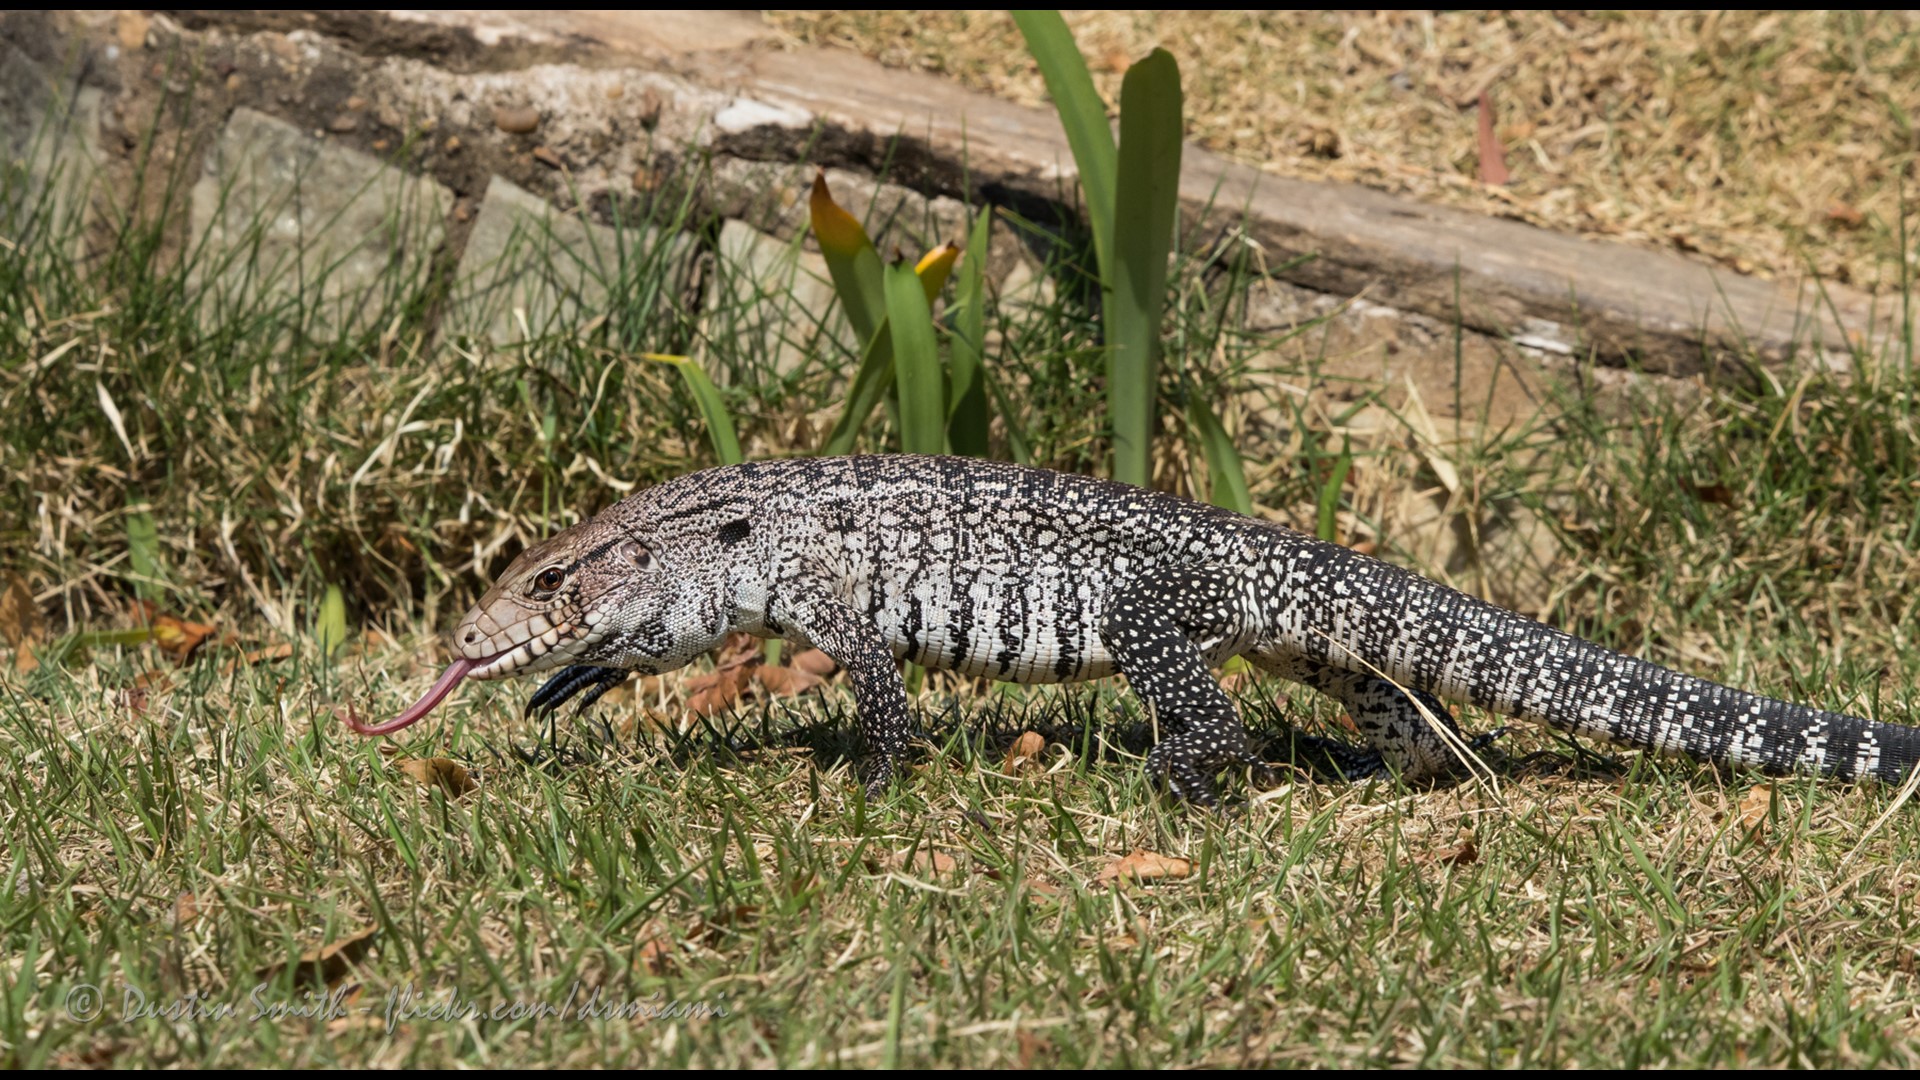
(560,689)
(1186,782)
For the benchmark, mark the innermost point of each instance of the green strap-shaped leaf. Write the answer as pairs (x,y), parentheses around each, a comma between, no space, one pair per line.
(1084,117)
(726,444)
(967,426)
(852,261)
(1148,201)
(875,376)
(330,628)
(916,364)
(1224,468)
(870,384)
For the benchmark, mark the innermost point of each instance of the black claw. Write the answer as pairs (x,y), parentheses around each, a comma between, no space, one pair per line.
(560,689)
(1481,742)
(1263,776)
(1350,763)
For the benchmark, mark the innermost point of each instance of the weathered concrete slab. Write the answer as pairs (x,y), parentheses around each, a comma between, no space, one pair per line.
(290,218)
(757,99)
(770,307)
(1415,396)
(529,269)
(1344,349)
(49,150)
(1619,304)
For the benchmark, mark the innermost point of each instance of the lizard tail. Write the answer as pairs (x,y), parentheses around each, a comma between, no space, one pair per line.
(1457,646)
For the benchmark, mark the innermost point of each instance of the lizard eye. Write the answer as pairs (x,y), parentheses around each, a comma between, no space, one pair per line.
(637,554)
(550,579)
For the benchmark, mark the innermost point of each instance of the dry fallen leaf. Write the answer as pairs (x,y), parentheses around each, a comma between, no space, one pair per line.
(1142,865)
(20,623)
(1025,753)
(448,775)
(657,949)
(928,862)
(1752,813)
(709,694)
(137,697)
(1031,1047)
(785,680)
(131,28)
(740,649)
(741,664)
(1845,215)
(260,656)
(1493,160)
(1465,853)
(179,638)
(326,964)
(813,662)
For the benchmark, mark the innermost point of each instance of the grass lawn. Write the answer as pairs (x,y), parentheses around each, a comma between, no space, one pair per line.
(200,867)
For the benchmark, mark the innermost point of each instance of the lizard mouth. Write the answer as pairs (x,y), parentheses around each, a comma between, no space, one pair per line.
(485,667)
(442,686)
(521,659)
(551,647)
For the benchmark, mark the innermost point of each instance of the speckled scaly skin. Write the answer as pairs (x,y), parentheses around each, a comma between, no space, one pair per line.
(1032,576)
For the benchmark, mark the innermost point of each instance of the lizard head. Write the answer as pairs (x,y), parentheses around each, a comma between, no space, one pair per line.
(588,595)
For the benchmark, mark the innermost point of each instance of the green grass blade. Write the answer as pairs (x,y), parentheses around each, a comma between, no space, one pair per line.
(1330,496)
(1224,468)
(330,628)
(1147,199)
(870,384)
(706,396)
(1083,115)
(967,426)
(1017,441)
(143,555)
(916,364)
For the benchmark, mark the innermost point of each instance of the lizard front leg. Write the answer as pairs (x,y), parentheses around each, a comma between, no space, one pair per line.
(1155,630)
(855,643)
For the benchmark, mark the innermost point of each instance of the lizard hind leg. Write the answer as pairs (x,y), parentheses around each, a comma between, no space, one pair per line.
(1398,737)
(1157,630)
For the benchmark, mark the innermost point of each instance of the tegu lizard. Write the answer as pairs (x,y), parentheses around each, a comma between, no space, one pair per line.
(1033,576)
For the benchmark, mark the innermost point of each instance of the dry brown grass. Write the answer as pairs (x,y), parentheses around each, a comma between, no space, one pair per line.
(1763,142)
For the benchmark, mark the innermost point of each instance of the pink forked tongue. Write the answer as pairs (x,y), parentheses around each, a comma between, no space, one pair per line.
(449,679)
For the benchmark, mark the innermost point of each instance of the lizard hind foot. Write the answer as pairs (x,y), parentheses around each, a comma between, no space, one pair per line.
(1324,757)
